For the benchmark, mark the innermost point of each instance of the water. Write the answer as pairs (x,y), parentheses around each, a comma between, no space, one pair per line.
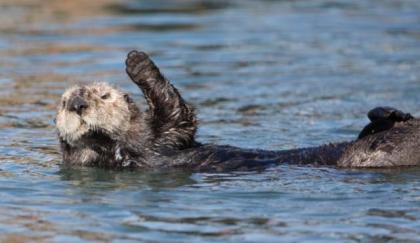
(263,74)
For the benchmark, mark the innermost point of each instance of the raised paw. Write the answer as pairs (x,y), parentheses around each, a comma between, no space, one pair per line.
(141,68)
(388,113)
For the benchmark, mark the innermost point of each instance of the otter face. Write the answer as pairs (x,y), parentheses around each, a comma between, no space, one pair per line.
(96,107)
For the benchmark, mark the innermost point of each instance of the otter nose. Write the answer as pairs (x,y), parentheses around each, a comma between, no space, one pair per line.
(77,104)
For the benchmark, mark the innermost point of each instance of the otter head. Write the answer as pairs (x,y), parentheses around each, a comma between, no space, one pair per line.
(88,109)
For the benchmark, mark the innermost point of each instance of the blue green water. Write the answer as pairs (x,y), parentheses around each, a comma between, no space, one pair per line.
(262,74)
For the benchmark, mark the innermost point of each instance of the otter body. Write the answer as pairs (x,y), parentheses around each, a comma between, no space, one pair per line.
(218,158)
(212,158)
(99,125)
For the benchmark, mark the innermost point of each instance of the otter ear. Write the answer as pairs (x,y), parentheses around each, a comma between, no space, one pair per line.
(128,98)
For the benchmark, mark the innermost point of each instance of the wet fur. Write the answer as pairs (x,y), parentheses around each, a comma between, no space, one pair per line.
(115,133)
(398,146)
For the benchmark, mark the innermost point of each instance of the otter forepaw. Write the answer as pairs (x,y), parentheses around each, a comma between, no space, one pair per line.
(140,67)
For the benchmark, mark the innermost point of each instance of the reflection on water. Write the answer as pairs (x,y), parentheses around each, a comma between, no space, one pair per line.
(266,74)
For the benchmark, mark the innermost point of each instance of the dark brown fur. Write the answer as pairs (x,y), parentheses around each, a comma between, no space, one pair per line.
(398,146)
(163,136)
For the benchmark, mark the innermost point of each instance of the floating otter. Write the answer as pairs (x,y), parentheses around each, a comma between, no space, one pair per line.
(99,125)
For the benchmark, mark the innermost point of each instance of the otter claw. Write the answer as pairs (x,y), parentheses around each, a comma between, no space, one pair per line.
(130,163)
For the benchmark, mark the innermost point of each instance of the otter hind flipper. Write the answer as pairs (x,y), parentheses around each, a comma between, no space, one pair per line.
(375,127)
(382,119)
(398,146)
(388,113)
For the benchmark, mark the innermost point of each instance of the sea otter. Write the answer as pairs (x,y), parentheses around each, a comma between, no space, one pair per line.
(99,125)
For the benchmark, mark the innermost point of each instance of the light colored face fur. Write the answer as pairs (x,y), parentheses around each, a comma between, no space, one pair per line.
(106,111)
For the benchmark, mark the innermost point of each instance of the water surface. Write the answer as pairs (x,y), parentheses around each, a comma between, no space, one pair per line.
(263,74)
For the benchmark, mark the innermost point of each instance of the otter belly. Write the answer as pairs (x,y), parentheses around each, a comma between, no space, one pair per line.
(228,158)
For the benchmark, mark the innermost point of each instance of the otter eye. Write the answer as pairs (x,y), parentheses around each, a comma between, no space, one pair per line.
(128,98)
(63,103)
(105,96)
